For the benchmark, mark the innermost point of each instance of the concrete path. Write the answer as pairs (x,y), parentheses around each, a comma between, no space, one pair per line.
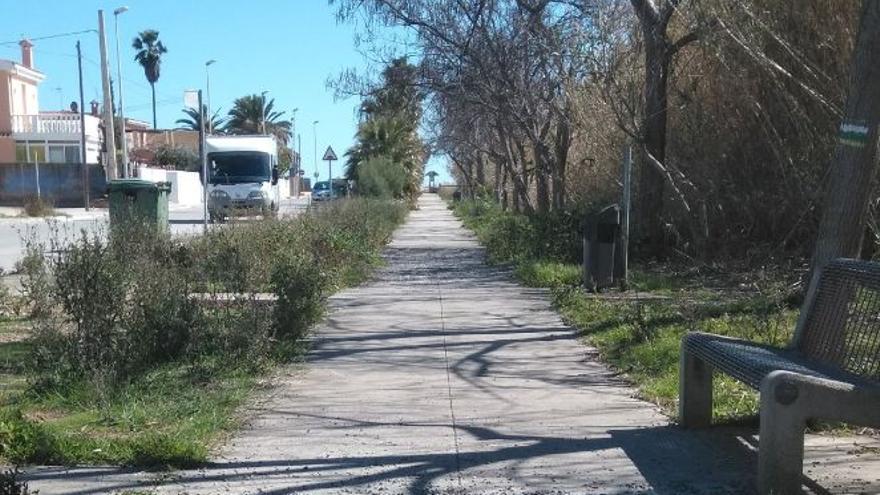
(444,377)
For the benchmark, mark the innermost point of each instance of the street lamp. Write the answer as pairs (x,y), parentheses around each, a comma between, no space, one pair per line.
(121,10)
(263,110)
(296,161)
(208,125)
(315,133)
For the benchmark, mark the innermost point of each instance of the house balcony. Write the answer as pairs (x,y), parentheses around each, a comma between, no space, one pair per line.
(54,126)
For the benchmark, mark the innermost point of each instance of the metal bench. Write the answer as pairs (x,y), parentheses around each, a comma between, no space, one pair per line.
(830,370)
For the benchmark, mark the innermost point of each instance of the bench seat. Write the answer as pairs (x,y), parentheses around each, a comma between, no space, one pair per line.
(750,362)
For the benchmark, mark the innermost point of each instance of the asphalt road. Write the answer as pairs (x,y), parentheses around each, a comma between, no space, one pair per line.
(14,231)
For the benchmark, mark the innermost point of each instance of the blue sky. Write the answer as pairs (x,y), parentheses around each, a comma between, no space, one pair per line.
(290,48)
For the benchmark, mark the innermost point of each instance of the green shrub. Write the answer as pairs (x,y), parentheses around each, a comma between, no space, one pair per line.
(177,157)
(38,207)
(22,440)
(120,307)
(301,287)
(381,177)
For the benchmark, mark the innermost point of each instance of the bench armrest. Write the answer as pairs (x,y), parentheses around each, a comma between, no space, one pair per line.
(822,398)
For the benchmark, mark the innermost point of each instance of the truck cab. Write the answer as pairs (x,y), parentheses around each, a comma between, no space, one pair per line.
(242,176)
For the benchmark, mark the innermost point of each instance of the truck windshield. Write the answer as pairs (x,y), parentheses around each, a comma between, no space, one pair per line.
(230,167)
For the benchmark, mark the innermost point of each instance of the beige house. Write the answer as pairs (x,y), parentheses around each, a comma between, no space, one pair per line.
(28,135)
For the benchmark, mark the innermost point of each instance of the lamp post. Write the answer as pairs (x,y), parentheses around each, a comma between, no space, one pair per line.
(296,160)
(209,124)
(125,171)
(263,111)
(315,133)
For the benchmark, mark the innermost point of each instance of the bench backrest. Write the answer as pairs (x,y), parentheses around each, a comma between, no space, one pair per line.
(842,322)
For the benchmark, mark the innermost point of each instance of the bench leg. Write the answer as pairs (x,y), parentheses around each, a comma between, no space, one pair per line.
(781,440)
(695,391)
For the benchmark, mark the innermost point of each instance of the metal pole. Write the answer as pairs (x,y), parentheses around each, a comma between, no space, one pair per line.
(330,176)
(83,159)
(627,200)
(209,124)
(203,156)
(125,172)
(315,133)
(295,174)
(109,134)
(299,156)
(263,111)
(37,172)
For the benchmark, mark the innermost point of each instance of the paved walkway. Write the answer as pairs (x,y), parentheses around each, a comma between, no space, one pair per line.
(444,377)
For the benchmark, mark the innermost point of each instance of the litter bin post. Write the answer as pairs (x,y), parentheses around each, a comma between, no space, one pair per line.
(139,201)
(601,232)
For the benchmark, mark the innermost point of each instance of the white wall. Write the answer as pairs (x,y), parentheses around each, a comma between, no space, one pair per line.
(284,188)
(186,188)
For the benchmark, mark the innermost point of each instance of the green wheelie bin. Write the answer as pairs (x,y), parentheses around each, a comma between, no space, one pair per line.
(137,201)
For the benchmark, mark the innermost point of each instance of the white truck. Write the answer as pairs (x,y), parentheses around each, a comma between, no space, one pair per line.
(242,176)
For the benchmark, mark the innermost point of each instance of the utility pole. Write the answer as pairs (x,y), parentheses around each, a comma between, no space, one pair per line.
(263,110)
(299,154)
(208,114)
(296,155)
(623,256)
(109,134)
(125,171)
(203,157)
(83,160)
(315,133)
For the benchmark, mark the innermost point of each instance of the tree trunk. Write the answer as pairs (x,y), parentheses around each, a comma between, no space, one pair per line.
(153,88)
(504,175)
(542,182)
(856,155)
(481,171)
(497,184)
(651,181)
(563,144)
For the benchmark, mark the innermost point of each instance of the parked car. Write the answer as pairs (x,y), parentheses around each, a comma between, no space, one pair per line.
(321,190)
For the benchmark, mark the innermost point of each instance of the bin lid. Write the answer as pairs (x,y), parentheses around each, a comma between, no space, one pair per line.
(136,185)
(609,215)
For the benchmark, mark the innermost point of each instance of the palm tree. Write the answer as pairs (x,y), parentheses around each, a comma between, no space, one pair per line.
(393,138)
(193,119)
(149,55)
(251,114)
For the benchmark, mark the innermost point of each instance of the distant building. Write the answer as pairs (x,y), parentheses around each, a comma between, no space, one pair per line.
(28,135)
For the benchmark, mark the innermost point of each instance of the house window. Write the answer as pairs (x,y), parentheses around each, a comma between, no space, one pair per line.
(37,152)
(71,154)
(21,152)
(56,154)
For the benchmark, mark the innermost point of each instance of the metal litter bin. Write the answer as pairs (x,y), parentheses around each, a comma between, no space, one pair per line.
(601,233)
(139,201)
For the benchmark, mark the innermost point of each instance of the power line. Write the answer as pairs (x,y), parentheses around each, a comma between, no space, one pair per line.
(50,36)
